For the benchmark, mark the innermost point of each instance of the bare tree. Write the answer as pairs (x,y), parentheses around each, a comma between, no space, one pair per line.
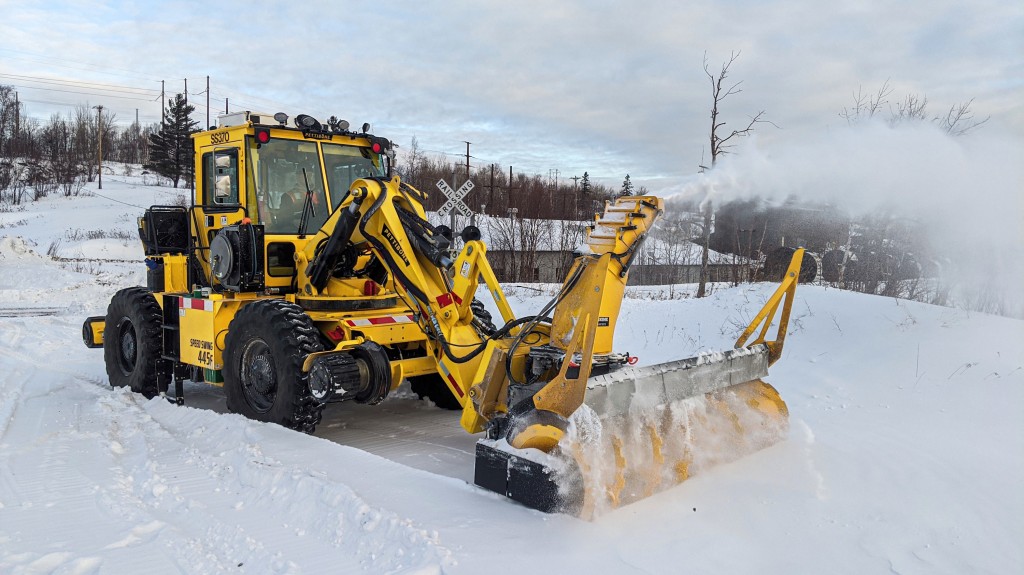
(721,143)
(571,235)
(913,107)
(866,106)
(670,246)
(532,233)
(503,243)
(960,119)
(413,159)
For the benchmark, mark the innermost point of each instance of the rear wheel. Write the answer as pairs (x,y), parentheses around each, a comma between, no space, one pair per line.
(267,342)
(432,387)
(132,341)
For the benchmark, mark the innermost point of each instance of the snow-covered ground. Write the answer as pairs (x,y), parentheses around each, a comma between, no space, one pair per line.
(905,454)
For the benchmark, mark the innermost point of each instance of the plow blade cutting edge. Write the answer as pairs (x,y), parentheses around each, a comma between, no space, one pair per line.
(643,430)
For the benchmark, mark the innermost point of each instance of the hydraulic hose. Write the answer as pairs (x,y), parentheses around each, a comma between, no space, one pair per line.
(320,270)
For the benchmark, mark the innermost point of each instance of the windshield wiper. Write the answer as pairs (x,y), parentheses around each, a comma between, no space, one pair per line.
(307,207)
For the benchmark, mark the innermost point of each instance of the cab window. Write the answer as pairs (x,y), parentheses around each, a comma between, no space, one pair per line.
(282,172)
(345,164)
(220,178)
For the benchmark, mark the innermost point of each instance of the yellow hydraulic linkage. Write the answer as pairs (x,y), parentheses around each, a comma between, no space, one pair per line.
(764,318)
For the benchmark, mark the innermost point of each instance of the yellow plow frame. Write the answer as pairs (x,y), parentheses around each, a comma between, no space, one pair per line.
(643,430)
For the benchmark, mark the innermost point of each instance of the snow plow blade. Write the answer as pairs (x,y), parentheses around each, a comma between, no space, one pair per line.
(627,389)
(643,430)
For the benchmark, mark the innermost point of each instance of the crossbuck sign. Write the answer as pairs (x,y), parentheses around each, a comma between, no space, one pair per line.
(455,198)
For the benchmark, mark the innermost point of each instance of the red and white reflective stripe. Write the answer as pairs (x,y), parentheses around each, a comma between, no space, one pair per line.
(445,300)
(448,375)
(385,320)
(195,303)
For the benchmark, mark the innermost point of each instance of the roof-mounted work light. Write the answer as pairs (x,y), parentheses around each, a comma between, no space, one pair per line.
(307,122)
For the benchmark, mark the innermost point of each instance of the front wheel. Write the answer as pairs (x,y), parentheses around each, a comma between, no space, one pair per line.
(267,342)
(132,341)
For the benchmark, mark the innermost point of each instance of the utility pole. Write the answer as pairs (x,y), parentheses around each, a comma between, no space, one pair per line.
(575,198)
(553,176)
(492,188)
(17,116)
(472,219)
(162,105)
(226,106)
(207,102)
(510,188)
(136,136)
(99,144)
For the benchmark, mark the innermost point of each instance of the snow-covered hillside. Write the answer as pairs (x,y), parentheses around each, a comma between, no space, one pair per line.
(905,454)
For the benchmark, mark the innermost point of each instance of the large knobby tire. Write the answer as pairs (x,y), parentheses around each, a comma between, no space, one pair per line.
(483,317)
(432,387)
(267,342)
(132,341)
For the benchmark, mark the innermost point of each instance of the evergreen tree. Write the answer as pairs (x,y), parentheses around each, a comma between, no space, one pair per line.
(627,187)
(585,185)
(170,149)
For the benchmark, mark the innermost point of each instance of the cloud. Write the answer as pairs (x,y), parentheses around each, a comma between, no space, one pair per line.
(607,87)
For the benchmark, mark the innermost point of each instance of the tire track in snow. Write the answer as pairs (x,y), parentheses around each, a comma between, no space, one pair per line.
(156,493)
(68,456)
(154,487)
(309,505)
(16,373)
(100,456)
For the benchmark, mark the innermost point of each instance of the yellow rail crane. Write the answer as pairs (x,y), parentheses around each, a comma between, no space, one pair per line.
(305,272)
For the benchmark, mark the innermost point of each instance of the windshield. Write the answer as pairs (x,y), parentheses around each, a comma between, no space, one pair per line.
(279,172)
(345,164)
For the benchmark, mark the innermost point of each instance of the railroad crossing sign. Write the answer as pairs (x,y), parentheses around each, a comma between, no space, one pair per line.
(455,198)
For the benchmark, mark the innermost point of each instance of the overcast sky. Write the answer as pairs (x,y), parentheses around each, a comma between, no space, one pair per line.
(605,87)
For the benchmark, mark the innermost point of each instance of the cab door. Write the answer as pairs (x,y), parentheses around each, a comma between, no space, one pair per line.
(220,197)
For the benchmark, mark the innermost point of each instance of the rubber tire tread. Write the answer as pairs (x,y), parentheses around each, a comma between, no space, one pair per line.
(139,306)
(433,388)
(483,316)
(291,336)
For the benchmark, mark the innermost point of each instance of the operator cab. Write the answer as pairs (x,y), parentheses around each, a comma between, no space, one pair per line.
(285,177)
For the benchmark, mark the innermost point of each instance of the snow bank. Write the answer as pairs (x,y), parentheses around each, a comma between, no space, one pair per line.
(905,452)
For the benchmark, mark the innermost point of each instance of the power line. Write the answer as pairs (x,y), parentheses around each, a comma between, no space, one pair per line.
(118,201)
(142,117)
(50,60)
(147,99)
(239,100)
(82,84)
